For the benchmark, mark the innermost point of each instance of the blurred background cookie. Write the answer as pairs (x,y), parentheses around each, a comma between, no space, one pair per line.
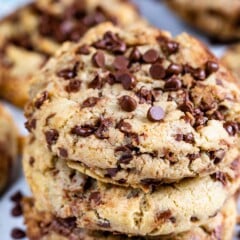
(8,148)
(217,18)
(32,34)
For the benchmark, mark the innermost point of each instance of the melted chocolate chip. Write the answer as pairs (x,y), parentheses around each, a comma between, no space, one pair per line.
(39,102)
(220,176)
(128,103)
(231,127)
(194,219)
(217,156)
(17,197)
(164,216)
(173,84)
(51,136)
(102,132)
(120,63)
(193,156)
(111,172)
(211,67)
(124,127)
(31,124)
(97,83)
(63,152)
(95,197)
(104,223)
(31,161)
(18,233)
(73,86)
(150,56)
(126,158)
(189,138)
(67,73)
(135,55)
(155,114)
(84,50)
(90,102)
(128,81)
(83,131)
(145,96)
(98,59)
(157,71)
(199,74)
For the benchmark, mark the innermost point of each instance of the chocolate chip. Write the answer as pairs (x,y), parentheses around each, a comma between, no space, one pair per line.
(83,131)
(51,136)
(17,197)
(84,50)
(193,156)
(145,96)
(18,233)
(189,138)
(231,127)
(124,127)
(126,158)
(104,223)
(135,55)
(173,84)
(217,156)
(157,71)
(103,130)
(95,197)
(187,107)
(128,81)
(194,219)
(163,216)
(111,172)
(199,74)
(111,42)
(133,193)
(120,63)
(174,68)
(179,137)
(155,114)
(31,124)
(168,46)
(73,86)
(150,56)
(67,73)
(31,161)
(97,83)
(211,67)
(63,152)
(220,176)
(17,210)
(90,102)
(98,59)
(39,102)
(128,103)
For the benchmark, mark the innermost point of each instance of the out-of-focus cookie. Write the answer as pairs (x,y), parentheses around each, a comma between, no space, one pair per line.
(168,209)
(44,226)
(32,34)
(141,108)
(231,59)
(8,148)
(218,18)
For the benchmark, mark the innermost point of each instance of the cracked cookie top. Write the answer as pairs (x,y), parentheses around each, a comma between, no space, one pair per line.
(136,107)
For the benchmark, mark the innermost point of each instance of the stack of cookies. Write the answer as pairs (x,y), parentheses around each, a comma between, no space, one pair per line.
(133,135)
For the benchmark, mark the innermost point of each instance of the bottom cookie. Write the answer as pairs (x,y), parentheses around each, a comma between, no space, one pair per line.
(44,226)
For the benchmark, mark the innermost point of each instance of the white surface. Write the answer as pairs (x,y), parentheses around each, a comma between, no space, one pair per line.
(159,16)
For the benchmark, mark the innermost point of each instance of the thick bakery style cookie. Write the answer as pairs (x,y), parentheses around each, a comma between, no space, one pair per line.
(231,59)
(138,109)
(218,18)
(167,209)
(44,226)
(8,148)
(32,34)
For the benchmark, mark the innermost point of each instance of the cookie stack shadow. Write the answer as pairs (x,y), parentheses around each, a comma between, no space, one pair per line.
(133,135)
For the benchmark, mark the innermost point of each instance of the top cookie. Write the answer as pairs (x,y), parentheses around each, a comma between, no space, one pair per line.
(34,32)
(211,17)
(137,108)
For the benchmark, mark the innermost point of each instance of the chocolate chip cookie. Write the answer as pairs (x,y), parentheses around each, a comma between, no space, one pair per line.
(45,226)
(8,148)
(218,18)
(138,108)
(232,61)
(167,209)
(32,34)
